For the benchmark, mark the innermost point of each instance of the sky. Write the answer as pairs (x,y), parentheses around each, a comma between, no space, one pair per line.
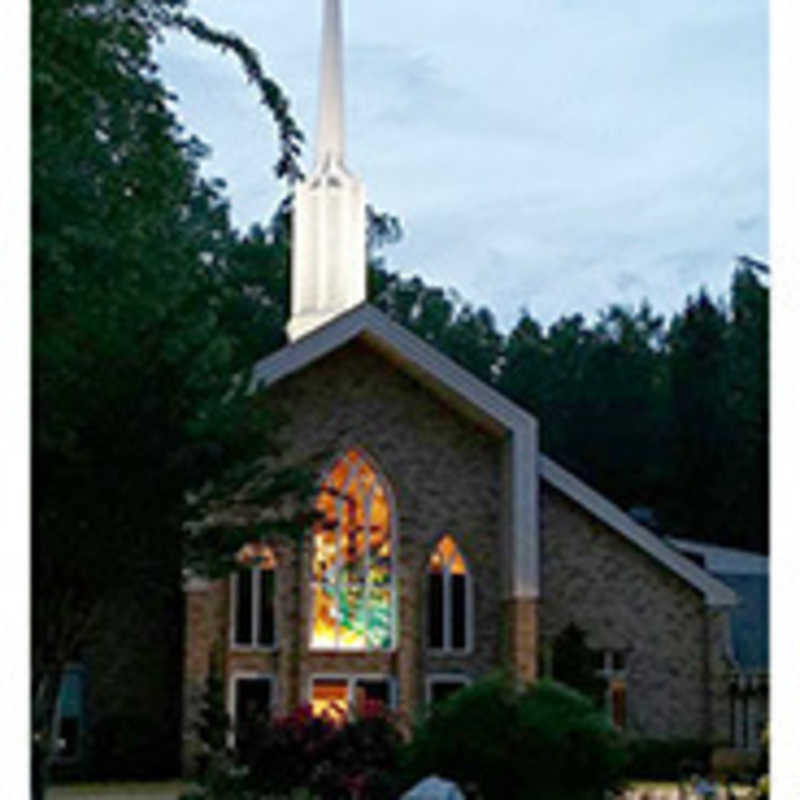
(552,155)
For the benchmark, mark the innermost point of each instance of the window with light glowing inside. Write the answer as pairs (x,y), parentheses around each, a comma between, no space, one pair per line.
(336,698)
(352,581)
(253,595)
(449,598)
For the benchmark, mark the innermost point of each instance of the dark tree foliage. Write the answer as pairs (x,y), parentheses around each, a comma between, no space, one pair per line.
(144,329)
(599,393)
(466,335)
(703,439)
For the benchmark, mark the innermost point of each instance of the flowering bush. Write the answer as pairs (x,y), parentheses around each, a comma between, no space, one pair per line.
(356,759)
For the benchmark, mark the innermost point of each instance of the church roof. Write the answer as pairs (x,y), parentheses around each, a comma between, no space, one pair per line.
(494,411)
(416,356)
(714,590)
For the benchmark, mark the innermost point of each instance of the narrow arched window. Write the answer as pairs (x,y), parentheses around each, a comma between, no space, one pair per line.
(449,598)
(352,581)
(253,597)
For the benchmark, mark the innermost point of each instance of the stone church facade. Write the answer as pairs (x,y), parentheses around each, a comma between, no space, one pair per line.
(448,545)
(658,622)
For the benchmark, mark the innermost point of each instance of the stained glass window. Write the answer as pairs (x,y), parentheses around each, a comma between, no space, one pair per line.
(253,597)
(448,598)
(352,581)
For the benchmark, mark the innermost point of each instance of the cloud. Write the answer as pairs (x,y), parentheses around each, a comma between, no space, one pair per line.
(563,154)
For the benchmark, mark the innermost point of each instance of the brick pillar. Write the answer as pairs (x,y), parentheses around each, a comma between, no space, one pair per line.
(522,617)
(199,637)
(408,650)
(717,672)
(294,629)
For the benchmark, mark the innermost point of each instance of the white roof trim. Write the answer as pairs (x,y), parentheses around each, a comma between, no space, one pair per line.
(725,560)
(422,358)
(714,591)
(365,319)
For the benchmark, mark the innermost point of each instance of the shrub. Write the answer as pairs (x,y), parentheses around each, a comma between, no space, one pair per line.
(546,742)
(668,759)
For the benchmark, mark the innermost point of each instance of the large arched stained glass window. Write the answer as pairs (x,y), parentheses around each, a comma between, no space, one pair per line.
(352,561)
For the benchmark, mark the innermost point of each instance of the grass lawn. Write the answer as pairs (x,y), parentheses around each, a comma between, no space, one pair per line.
(117,791)
(659,788)
(172,790)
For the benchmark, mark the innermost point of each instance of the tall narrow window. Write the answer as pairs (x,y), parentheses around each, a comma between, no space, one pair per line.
(449,598)
(352,577)
(253,597)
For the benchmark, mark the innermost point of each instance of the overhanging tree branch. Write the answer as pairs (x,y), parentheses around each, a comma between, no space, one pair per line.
(289,134)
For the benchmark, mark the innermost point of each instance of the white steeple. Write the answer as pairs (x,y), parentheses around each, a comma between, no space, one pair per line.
(329,271)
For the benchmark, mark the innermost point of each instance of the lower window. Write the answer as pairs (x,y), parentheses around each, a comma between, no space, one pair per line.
(440,687)
(611,665)
(251,702)
(618,702)
(338,697)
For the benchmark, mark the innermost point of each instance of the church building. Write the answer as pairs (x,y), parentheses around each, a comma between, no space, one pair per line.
(448,546)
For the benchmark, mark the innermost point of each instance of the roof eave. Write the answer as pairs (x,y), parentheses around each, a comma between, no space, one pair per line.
(715,593)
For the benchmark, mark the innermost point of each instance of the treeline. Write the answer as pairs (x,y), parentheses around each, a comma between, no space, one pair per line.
(139,333)
(667,417)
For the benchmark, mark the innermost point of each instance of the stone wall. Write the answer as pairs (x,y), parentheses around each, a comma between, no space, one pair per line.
(625,600)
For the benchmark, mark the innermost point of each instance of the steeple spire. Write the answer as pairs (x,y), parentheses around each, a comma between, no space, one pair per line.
(329,249)
(330,135)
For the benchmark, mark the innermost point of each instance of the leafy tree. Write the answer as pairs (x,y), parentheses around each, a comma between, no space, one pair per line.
(749,399)
(442,319)
(703,433)
(140,352)
(599,394)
